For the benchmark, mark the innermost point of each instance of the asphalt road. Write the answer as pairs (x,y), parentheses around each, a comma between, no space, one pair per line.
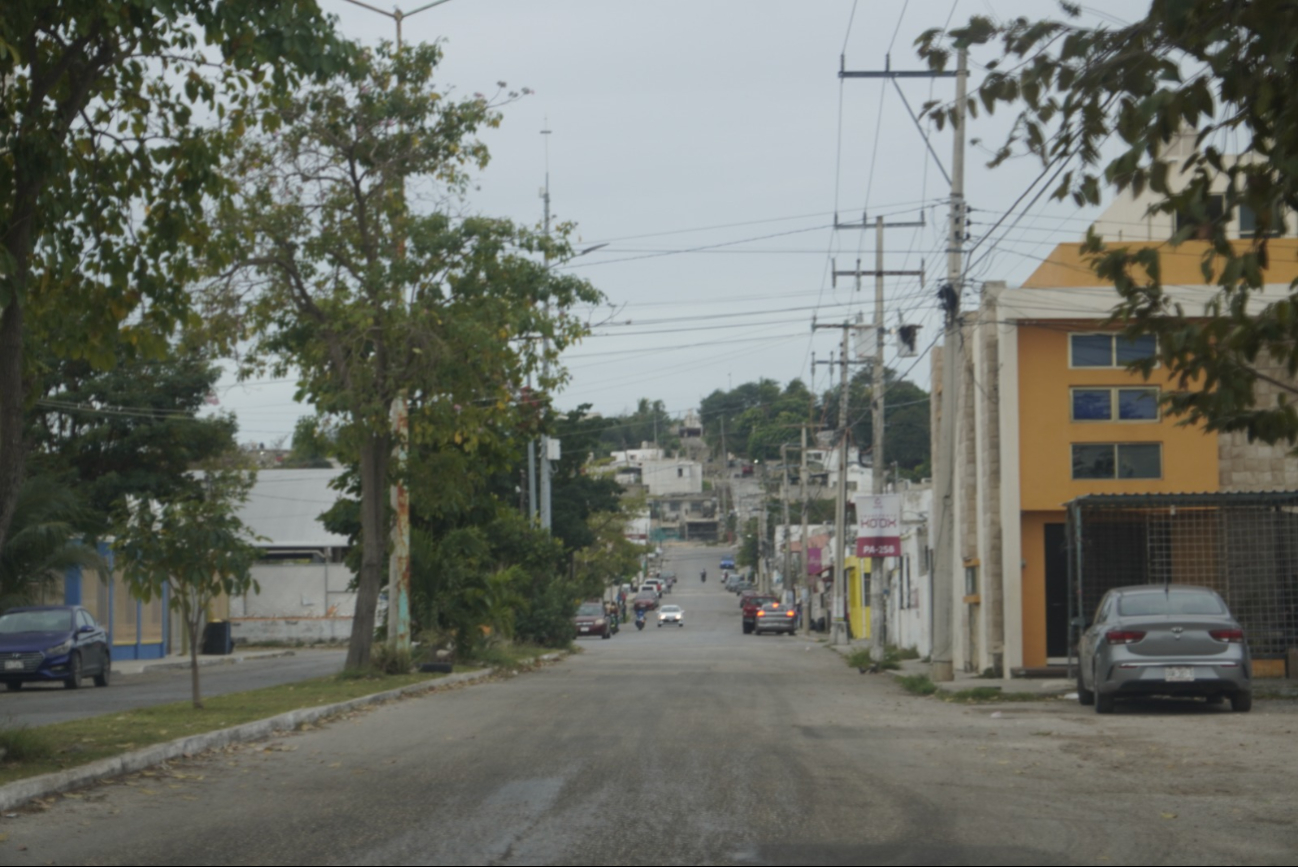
(700,745)
(41,704)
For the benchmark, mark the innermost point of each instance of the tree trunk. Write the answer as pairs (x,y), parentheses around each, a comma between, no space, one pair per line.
(375,452)
(191,621)
(11,411)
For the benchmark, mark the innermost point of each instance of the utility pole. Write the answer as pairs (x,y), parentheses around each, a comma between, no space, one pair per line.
(399,561)
(880,332)
(789,583)
(545,439)
(944,482)
(944,495)
(806,575)
(877,574)
(725,474)
(763,573)
(838,631)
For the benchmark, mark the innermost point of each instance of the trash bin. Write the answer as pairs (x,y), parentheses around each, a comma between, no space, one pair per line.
(218,639)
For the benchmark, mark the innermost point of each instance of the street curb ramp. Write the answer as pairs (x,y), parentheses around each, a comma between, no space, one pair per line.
(20,792)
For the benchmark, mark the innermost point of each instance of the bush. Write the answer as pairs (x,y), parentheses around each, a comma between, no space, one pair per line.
(917,684)
(23,744)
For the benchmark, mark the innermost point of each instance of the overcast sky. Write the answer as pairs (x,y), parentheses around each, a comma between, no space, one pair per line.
(709,144)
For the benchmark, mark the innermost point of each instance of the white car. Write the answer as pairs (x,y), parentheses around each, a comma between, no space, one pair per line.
(671,614)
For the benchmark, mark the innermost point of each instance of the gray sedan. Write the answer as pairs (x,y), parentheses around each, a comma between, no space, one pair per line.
(1163,640)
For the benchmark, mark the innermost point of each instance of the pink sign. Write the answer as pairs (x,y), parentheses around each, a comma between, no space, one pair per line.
(813,561)
(878,525)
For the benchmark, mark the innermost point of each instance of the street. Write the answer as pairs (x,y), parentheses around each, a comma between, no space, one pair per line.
(700,745)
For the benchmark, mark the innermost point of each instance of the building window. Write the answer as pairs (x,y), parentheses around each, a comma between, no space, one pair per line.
(1248,223)
(1117,460)
(1108,350)
(1115,404)
(1200,225)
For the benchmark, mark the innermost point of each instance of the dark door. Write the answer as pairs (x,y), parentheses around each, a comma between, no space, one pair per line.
(1056,591)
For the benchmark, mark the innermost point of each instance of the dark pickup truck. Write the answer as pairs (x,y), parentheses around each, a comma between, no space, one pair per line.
(751,604)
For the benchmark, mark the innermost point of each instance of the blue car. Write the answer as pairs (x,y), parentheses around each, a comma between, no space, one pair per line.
(52,643)
(727,562)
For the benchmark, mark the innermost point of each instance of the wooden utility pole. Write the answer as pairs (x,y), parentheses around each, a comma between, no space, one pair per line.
(806,572)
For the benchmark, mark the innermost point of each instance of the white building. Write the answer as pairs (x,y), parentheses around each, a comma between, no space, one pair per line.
(304,585)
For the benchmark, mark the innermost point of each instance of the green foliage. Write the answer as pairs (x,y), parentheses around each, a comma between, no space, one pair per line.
(311,445)
(917,684)
(865,659)
(22,743)
(44,541)
(648,423)
(748,545)
(1223,71)
(145,451)
(368,300)
(116,118)
(193,545)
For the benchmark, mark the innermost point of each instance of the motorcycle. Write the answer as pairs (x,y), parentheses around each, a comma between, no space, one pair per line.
(639,620)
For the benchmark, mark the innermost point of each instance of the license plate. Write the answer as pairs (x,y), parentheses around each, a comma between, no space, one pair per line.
(585,629)
(1178,673)
(14,665)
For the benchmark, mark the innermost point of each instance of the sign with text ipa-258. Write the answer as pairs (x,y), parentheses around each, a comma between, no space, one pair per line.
(878,525)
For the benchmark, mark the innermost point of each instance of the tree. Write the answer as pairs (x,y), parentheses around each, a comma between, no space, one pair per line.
(1223,70)
(133,430)
(44,541)
(192,544)
(370,300)
(106,168)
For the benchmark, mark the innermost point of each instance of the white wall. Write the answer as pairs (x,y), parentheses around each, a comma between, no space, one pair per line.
(298,590)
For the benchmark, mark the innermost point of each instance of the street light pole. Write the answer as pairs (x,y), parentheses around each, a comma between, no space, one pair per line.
(399,561)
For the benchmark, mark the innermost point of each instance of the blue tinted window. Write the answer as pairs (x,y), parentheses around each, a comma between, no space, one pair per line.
(1134,350)
(1092,404)
(1138,404)
(1092,350)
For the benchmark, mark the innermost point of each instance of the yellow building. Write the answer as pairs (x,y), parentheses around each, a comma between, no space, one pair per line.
(1047,412)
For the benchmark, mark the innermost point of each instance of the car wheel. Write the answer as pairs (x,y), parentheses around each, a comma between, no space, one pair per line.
(1103,702)
(102,678)
(1084,696)
(73,679)
(13,685)
(1242,701)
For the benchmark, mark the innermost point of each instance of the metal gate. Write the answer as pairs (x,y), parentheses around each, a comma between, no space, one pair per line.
(1243,545)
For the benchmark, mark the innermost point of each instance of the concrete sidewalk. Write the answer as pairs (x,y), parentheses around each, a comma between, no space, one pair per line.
(1045,687)
(139,666)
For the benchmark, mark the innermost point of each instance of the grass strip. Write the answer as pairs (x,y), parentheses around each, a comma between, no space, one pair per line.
(920,684)
(59,746)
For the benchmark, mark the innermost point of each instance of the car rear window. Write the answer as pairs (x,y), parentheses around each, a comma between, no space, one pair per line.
(1172,602)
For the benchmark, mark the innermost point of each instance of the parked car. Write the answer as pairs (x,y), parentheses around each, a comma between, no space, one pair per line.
(671,614)
(727,562)
(751,605)
(775,617)
(53,642)
(591,619)
(1163,640)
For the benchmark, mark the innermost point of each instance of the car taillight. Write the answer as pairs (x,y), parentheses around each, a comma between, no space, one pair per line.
(761,614)
(790,613)
(1234,636)
(1123,636)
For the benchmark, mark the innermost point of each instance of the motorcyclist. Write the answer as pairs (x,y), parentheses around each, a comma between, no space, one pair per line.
(639,618)
(704,575)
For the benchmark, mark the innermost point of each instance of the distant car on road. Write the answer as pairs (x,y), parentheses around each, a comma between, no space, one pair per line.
(52,643)
(752,604)
(1163,640)
(645,600)
(671,614)
(775,617)
(727,562)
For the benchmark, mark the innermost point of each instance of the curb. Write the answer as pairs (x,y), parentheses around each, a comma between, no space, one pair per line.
(19,792)
(206,661)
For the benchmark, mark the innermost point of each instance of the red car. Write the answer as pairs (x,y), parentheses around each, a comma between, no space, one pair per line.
(592,620)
